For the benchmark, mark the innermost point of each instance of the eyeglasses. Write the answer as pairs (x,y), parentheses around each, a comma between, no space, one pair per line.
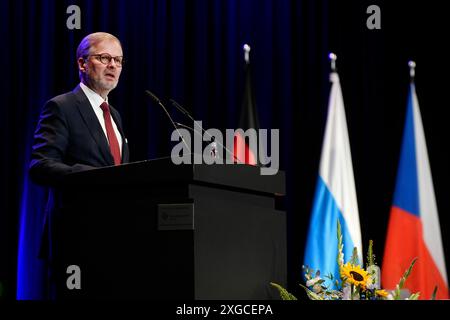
(106,58)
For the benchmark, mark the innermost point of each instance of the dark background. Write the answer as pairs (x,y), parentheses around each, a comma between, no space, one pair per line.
(192,51)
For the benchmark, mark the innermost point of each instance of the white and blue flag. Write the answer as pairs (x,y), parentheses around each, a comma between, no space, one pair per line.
(335,196)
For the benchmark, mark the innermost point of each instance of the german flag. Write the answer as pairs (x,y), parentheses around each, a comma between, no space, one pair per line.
(246,144)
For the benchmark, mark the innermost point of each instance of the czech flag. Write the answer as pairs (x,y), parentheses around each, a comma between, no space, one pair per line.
(413,229)
(335,196)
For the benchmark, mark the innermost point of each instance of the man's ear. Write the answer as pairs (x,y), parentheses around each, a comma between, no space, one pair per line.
(81,64)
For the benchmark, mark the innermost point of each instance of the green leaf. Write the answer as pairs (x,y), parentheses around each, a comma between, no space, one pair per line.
(312,295)
(406,274)
(284,294)
(433,295)
(354,259)
(414,296)
(370,255)
(396,295)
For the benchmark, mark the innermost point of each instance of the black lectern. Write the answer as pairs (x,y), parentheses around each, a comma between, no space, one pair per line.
(155,230)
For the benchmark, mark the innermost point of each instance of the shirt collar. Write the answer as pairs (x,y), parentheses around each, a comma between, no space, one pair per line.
(95,99)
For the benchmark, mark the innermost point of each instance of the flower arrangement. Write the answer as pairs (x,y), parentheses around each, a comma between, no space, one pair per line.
(355,283)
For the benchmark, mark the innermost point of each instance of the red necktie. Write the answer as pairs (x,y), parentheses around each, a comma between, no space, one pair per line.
(113,144)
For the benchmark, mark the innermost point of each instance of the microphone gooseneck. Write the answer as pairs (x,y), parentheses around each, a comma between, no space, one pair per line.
(184,111)
(179,107)
(158,101)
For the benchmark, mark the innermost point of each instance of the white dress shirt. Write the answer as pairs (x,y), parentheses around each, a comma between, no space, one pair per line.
(96,100)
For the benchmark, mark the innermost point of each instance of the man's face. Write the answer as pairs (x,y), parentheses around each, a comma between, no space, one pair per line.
(100,77)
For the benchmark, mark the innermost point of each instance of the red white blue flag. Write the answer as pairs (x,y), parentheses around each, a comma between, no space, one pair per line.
(413,230)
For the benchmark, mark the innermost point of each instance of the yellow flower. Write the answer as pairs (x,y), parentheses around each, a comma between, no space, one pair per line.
(381,293)
(354,274)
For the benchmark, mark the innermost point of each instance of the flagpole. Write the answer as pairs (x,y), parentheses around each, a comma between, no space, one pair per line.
(333,59)
(247,53)
(412,69)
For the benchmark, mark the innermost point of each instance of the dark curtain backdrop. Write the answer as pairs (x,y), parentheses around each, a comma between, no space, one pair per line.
(191,51)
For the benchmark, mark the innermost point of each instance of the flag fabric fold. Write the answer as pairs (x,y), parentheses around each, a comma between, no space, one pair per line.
(413,229)
(335,196)
(245,152)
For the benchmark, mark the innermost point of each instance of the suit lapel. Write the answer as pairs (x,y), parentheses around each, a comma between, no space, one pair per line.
(92,123)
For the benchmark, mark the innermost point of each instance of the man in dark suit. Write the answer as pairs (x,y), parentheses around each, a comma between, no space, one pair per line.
(72,134)
(79,130)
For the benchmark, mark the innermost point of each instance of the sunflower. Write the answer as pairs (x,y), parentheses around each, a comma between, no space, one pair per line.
(354,274)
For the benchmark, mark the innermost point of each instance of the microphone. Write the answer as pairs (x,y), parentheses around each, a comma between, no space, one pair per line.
(185,112)
(156,99)
(213,142)
(179,107)
(187,127)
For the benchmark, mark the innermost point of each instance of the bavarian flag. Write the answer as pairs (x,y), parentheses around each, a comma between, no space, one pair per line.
(413,230)
(335,196)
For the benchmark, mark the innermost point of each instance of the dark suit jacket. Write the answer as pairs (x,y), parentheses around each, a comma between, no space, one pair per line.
(68,138)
